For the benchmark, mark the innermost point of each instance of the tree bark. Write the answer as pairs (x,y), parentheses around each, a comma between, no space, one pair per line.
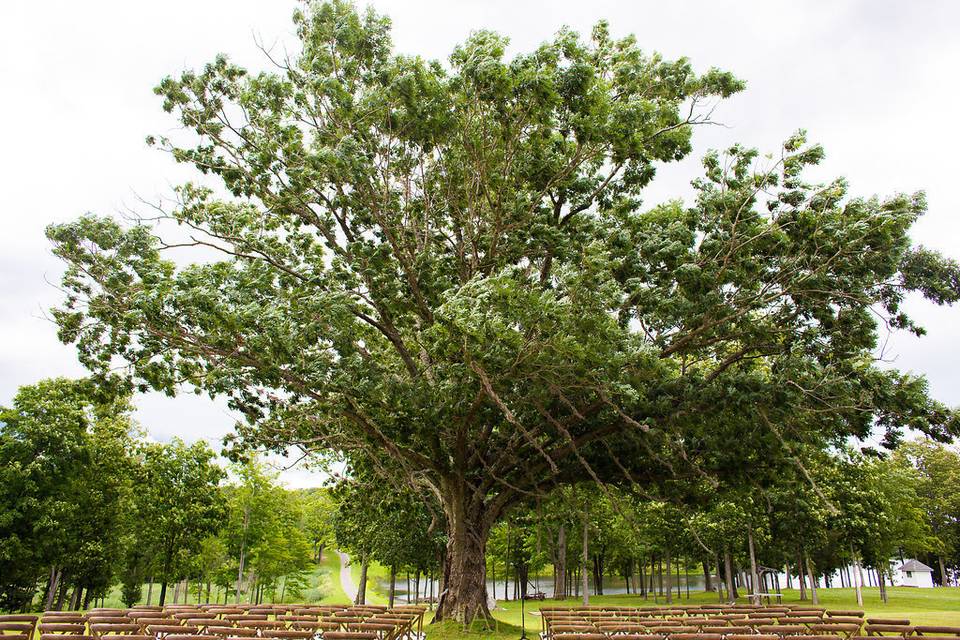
(560,565)
(801,578)
(393,585)
(707,578)
(754,576)
(858,583)
(813,581)
(150,590)
(728,574)
(643,577)
(362,587)
(667,558)
(52,589)
(464,595)
(584,558)
(787,572)
(943,572)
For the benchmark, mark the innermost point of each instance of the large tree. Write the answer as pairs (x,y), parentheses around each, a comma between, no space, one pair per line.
(444,270)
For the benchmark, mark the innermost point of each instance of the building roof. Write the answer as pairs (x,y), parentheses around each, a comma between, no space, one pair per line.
(914,565)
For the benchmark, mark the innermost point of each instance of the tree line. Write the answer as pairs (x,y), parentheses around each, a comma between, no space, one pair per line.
(87,502)
(852,513)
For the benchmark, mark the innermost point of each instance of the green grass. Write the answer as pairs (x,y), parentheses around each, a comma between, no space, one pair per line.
(329,588)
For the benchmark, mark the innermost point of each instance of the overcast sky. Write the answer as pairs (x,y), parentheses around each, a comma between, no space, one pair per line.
(875,82)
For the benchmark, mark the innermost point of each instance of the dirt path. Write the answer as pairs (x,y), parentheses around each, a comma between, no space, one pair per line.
(346,578)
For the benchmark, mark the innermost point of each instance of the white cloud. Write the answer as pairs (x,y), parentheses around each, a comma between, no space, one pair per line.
(872,81)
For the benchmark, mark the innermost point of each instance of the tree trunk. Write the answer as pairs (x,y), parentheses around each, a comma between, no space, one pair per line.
(813,581)
(857,583)
(801,578)
(150,590)
(560,565)
(754,579)
(728,574)
(583,560)
(720,582)
(643,578)
(362,587)
(943,572)
(393,585)
(707,578)
(787,572)
(61,592)
(882,581)
(653,574)
(464,595)
(666,555)
(52,589)
(243,545)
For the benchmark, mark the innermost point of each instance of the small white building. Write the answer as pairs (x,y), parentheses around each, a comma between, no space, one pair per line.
(914,573)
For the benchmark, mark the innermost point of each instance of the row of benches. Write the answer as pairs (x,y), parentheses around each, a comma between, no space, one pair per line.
(726,623)
(284,622)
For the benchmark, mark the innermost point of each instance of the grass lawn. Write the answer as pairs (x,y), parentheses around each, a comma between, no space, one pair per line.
(328,589)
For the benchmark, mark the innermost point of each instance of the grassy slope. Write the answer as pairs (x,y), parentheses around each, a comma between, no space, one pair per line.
(329,589)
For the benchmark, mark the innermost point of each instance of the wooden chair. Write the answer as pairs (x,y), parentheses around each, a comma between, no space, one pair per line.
(784,630)
(936,630)
(62,628)
(133,637)
(223,631)
(287,634)
(99,629)
(843,629)
(695,636)
(16,630)
(61,636)
(895,628)
(164,630)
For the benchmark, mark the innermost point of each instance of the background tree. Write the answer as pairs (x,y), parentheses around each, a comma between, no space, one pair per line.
(177,502)
(447,271)
(939,495)
(318,512)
